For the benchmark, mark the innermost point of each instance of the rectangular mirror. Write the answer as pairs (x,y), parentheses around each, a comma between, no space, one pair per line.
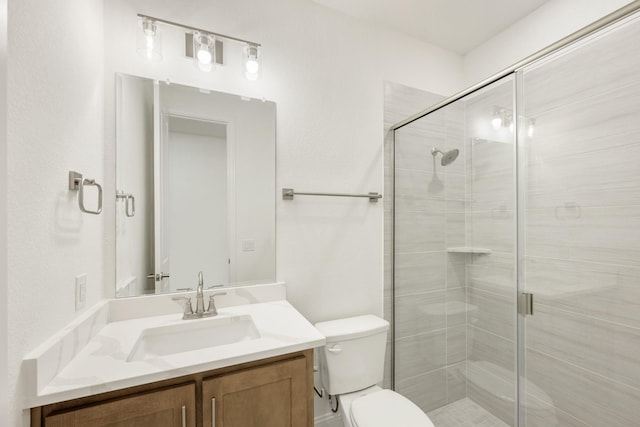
(195,187)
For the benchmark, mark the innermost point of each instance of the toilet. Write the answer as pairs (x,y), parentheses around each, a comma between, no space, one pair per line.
(352,363)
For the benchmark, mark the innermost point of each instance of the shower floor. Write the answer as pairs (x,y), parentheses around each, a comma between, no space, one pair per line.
(464,413)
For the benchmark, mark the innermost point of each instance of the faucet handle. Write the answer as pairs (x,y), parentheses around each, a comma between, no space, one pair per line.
(211,310)
(188,309)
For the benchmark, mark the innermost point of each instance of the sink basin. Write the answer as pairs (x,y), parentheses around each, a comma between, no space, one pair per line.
(190,335)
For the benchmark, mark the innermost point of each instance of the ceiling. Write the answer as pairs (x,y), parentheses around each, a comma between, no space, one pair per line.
(456,25)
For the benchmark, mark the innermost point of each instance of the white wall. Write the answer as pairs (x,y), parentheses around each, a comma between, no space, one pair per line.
(4,392)
(549,23)
(55,116)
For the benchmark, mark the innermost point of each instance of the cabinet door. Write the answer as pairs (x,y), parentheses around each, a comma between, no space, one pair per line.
(274,395)
(172,407)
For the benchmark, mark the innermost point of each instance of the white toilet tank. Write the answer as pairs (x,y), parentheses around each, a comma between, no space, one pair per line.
(353,358)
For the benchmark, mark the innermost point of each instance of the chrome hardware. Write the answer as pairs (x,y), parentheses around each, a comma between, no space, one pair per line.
(158,277)
(288,193)
(525,304)
(184,416)
(76,183)
(215,286)
(130,203)
(188,308)
(211,309)
(199,312)
(184,289)
(199,295)
(213,412)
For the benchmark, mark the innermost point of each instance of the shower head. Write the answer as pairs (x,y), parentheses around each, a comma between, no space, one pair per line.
(447,157)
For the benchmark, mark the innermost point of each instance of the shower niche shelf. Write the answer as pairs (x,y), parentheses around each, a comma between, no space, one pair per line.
(468,250)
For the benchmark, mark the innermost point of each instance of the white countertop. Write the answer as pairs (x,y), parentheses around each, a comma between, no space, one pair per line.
(101,364)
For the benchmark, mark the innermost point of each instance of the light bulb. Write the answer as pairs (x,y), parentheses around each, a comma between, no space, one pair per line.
(149,50)
(204,48)
(531,128)
(252,66)
(204,56)
(251,62)
(149,40)
(496,122)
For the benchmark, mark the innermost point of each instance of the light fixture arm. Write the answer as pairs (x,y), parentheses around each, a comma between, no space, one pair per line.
(188,27)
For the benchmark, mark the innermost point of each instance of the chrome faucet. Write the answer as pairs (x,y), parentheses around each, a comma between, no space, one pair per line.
(199,295)
(200,311)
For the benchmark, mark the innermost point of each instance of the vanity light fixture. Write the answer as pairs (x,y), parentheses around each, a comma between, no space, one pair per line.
(502,118)
(202,45)
(251,62)
(149,40)
(497,119)
(531,128)
(204,48)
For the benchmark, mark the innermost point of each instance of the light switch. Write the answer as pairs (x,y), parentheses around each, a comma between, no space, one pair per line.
(248,245)
(81,291)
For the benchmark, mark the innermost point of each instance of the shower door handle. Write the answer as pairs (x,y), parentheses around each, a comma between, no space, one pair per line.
(525,304)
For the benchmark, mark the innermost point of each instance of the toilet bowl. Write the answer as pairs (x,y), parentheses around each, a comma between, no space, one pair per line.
(377,407)
(352,363)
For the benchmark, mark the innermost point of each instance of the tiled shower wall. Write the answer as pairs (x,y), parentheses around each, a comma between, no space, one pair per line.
(491,225)
(454,311)
(400,102)
(582,234)
(430,339)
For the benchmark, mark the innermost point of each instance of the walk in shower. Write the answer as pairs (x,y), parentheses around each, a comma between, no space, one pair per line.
(515,265)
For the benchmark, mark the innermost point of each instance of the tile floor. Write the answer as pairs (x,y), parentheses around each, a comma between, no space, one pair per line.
(464,413)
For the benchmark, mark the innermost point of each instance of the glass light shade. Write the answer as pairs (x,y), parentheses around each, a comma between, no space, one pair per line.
(252,62)
(531,128)
(204,51)
(149,40)
(496,122)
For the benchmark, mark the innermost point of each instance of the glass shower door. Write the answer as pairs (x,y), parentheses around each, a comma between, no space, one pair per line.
(454,260)
(581,233)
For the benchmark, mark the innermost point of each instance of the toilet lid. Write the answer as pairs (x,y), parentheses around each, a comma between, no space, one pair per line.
(387,408)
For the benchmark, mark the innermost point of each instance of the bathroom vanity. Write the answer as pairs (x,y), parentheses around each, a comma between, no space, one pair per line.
(270,392)
(252,365)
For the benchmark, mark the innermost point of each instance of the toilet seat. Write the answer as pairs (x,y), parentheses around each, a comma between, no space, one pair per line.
(386,408)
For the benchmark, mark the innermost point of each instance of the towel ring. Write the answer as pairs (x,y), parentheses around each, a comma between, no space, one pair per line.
(76,183)
(130,203)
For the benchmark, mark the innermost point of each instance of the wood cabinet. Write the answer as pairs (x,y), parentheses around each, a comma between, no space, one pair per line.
(171,407)
(274,392)
(269,396)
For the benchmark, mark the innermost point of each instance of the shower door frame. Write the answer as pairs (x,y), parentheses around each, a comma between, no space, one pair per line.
(517,225)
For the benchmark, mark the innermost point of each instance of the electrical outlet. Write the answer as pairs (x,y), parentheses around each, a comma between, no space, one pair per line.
(81,291)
